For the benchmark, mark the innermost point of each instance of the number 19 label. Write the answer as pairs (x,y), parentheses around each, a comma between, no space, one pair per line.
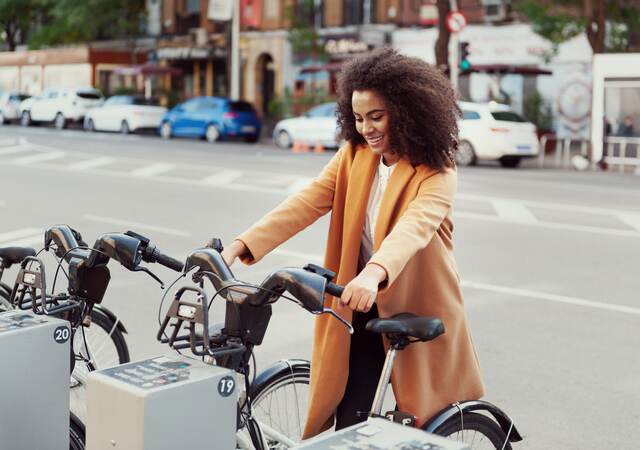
(226,386)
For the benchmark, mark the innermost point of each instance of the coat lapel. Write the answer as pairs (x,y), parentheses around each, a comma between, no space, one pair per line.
(399,179)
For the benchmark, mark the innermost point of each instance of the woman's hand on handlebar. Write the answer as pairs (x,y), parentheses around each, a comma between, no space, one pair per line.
(360,293)
(233,251)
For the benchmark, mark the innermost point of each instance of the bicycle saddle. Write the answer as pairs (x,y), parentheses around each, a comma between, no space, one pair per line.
(15,255)
(408,325)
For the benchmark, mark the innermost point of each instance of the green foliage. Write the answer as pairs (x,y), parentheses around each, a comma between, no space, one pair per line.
(289,105)
(305,41)
(16,20)
(77,21)
(538,111)
(281,107)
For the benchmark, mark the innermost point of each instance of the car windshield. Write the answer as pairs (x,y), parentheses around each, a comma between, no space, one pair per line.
(507,116)
(325,110)
(89,95)
(241,106)
(18,97)
(144,101)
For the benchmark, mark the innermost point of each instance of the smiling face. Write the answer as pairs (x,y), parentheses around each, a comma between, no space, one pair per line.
(372,122)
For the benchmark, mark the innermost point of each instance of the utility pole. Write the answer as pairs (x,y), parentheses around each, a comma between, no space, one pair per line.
(453,55)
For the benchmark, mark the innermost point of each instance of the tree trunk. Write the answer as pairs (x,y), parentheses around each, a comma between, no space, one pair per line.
(595,12)
(442,44)
(10,35)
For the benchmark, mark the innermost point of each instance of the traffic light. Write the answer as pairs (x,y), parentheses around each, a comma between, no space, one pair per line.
(463,53)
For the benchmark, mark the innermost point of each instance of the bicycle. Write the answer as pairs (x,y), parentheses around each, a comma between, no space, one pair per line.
(246,319)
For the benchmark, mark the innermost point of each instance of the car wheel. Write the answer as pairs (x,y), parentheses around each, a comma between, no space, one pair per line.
(465,155)
(25,118)
(165,130)
(2,119)
(283,139)
(212,134)
(510,161)
(59,122)
(89,125)
(124,127)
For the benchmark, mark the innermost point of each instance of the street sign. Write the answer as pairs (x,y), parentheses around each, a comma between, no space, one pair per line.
(220,10)
(456,21)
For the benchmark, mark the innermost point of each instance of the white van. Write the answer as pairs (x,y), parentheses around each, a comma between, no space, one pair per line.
(59,106)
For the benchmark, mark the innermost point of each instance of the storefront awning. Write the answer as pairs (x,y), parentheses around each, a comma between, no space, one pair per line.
(504,69)
(329,67)
(147,69)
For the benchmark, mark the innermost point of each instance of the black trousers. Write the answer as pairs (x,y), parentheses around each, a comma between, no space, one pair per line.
(366,360)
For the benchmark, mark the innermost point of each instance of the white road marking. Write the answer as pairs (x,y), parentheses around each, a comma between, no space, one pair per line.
(130,224)
(222,178)
(550,225)
(298,185)
(513,211)
(152,170)
(14,149)
(9,236)
(308,257)
(552,297)
(40,157)
(545,205)
(27,241)
(91,163)
(631,219)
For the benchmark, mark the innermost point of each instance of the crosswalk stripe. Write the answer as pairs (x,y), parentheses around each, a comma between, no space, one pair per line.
(513,211)
(16,234)
(36,239)
(40,157)
(298,185)
(631,219)
(130,224)
(550,225)
(223,177)
(14,149)
(153,169)
(91,163)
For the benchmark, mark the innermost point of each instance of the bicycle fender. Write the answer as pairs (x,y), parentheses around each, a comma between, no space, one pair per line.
(282,366)
(110,315)
(453,410)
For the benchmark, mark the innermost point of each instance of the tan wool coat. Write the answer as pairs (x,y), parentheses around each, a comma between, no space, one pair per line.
(413,243)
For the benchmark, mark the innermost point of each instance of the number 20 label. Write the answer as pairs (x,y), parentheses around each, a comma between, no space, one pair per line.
(226,386)
(61,334)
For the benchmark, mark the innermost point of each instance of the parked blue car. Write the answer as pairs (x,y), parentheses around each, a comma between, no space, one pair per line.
(212,118)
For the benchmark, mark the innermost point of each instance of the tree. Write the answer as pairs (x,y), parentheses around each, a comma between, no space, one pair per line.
(16,18)
(77,21)
(442,43)
(305,41)
(608,25)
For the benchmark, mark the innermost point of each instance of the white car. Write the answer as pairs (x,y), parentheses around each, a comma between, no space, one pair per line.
(491,131)
(59,106)
(9,103)
(317,126)
(126,114)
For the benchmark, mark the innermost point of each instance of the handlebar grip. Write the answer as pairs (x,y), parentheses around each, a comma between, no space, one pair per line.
(334,289)
(169,262)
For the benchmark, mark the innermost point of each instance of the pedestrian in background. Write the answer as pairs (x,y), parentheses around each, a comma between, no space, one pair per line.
(390,191)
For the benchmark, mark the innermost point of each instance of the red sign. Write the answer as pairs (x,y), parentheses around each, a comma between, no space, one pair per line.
(456,21)
(251,13)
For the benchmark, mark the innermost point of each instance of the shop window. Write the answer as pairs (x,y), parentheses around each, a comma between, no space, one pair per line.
(353,12)
(621,121)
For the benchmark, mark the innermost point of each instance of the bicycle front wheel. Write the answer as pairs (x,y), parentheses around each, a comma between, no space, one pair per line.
(478,431)
(98,346)
(280,399)
(76,433)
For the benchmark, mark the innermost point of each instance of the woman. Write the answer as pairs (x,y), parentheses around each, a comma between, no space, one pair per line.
(390,189)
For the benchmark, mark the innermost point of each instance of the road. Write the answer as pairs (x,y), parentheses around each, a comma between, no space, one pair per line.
(549,260)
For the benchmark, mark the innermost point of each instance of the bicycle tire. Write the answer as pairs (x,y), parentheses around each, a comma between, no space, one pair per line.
(5,296)
(293,385)
(77,433)
(480,432)
(111,352)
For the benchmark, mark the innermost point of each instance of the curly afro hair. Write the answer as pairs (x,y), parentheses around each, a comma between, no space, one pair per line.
(420,101)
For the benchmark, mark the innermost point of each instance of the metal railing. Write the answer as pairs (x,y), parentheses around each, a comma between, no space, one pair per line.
(623,151)
(563,150)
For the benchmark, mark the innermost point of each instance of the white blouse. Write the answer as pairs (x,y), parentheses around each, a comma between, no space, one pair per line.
(378,186)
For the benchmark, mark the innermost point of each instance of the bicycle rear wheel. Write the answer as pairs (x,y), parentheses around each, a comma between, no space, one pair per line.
(281,399)
(478,431)
(105,347)
(5,295)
